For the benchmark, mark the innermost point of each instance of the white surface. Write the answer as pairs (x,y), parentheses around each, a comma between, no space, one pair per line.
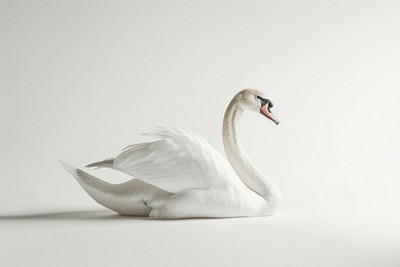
(80,81)
(101,238)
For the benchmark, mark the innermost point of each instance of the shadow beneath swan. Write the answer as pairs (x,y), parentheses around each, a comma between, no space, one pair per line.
(71,215)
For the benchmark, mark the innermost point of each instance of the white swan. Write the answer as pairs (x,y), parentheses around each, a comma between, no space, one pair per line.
(181,176)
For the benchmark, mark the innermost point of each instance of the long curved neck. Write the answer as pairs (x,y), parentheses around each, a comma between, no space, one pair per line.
(241,163)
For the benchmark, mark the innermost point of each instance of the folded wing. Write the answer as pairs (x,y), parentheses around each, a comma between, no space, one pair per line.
(176,161)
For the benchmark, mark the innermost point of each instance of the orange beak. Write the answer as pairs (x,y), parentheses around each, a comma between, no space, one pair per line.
(267,113)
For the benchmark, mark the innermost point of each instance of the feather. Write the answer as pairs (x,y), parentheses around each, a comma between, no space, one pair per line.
(177,160)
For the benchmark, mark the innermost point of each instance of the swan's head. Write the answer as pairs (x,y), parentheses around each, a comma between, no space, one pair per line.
(251,99)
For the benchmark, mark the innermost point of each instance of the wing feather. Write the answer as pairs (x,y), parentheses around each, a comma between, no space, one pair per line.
(175,161)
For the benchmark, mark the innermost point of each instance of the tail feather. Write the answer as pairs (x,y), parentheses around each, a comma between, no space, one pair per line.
(108,163)
(69,168)
(125,198)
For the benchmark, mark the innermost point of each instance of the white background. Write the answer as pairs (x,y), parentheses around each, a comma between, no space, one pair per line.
(80,80)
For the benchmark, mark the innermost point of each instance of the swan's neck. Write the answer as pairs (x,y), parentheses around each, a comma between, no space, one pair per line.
(241,163)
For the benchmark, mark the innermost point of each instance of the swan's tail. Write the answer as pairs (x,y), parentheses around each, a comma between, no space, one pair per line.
(108,163)
(125,198)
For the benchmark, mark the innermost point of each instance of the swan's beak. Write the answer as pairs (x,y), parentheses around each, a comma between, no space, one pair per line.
(265,110)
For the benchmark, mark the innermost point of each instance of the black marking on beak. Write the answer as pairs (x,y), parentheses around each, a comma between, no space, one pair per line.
(265,101)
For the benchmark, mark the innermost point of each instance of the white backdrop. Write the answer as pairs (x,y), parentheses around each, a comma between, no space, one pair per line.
(80,80)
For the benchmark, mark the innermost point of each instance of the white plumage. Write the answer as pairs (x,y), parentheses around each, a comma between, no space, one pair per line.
(176,161)
(179,175)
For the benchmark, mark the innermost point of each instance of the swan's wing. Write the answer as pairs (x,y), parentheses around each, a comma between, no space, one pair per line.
(177,160)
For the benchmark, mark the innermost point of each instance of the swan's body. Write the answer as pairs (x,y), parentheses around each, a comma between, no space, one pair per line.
(181,176)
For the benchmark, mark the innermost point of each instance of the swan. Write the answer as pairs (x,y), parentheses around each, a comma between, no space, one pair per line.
(180,175)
